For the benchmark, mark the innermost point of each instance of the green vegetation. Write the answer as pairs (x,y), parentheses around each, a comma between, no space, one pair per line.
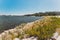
(47,29)
(43,29)
(44,14)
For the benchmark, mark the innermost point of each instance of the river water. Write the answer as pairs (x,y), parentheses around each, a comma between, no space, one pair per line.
(7,22)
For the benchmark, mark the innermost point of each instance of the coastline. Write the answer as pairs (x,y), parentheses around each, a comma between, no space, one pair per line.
(22,31)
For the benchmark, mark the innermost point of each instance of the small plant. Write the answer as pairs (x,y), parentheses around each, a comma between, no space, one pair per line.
(45,31)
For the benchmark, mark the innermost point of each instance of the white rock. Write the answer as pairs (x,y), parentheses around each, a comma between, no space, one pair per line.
(35,39)
(58,38)
(16,39)
(55,35)
(31,38)
(25,39)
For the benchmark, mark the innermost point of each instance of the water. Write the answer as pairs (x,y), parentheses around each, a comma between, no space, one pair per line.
(7,22)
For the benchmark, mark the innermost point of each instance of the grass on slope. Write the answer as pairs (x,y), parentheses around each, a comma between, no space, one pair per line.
(45,28)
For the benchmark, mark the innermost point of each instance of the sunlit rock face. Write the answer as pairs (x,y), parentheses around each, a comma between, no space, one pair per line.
(55,35)
(58,38)
(16,39)
(31,38)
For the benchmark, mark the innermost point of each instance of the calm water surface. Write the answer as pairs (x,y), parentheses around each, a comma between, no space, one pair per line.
(7,22)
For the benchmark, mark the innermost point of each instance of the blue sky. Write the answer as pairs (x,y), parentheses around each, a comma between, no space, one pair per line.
(28,6)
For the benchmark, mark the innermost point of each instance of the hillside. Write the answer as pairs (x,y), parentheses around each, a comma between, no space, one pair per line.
(44,14)
(41,29)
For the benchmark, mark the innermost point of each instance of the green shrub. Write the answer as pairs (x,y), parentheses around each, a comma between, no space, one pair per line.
(46,31)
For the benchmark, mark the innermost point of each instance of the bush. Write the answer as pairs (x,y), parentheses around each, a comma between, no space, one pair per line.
(46,31)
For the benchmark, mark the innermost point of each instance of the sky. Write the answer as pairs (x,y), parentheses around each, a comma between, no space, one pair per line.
(20,7)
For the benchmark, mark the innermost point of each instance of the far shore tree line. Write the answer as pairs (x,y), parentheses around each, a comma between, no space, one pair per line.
(44,14)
